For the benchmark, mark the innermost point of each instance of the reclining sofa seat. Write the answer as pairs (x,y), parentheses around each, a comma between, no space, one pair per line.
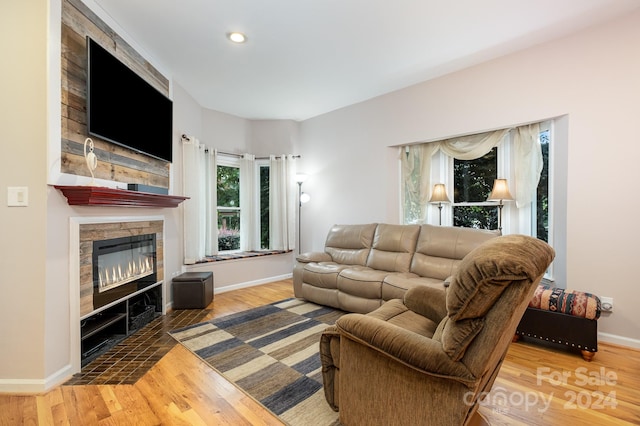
(365,265)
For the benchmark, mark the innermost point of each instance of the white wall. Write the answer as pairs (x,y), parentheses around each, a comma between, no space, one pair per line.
(225,132)
(593,77)
(23,112)
(273,137)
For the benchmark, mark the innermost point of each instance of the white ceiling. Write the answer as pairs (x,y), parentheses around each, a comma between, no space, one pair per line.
(308,57)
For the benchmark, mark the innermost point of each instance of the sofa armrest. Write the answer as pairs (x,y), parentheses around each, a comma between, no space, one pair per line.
(414,350)
(427,301)
(313,256)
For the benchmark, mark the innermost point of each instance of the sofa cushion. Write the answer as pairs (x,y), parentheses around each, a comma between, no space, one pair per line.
(350,244)
(361,282)
(323,274)
(322,296)
(395,285)
(362,305)
(440,249)
(570,302)
(396,313)
(490,268)
(393,247)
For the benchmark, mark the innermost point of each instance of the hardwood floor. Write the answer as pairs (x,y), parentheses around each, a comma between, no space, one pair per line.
(536,386)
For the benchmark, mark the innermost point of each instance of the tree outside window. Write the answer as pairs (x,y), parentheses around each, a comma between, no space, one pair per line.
(473,180)
(542,194)
(228,187)
(264,207)
(228,208)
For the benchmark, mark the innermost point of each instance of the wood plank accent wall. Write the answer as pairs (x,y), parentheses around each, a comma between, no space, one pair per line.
(91,232)
(114,162)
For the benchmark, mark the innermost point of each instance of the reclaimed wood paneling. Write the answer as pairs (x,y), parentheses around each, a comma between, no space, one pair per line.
(115,163)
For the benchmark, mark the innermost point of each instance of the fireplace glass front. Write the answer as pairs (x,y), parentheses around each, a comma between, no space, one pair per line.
(122,266)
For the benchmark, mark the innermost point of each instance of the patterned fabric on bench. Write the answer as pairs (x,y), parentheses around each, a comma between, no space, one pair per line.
(575,303)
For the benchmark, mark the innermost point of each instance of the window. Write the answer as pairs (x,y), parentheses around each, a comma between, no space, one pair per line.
(541,210)
(228,207)
(264,206)
(472,182)
(542,213)
(228,187)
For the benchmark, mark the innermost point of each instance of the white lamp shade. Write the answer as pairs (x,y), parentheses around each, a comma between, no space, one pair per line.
(500,191)
(304,197)
(301,177)
(439,194)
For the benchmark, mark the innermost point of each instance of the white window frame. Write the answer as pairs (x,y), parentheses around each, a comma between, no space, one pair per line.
(502,169)
(259,164)
(227,161)
(232,161)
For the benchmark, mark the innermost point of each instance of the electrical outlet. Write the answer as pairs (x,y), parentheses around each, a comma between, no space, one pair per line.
(606,303)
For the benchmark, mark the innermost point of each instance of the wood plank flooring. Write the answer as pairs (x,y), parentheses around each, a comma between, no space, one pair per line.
(536,386)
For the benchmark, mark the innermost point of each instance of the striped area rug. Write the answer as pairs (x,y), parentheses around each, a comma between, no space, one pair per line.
(271,353)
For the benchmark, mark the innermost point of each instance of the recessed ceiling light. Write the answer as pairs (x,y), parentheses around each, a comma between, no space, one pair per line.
(237,37)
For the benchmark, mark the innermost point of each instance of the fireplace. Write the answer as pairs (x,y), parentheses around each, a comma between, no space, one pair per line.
(119,271)
(122,266)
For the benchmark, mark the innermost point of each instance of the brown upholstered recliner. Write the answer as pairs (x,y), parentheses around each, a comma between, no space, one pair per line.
(425,360)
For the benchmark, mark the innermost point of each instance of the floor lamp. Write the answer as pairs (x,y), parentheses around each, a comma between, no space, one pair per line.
(302,198)
(500,193)
(439,196)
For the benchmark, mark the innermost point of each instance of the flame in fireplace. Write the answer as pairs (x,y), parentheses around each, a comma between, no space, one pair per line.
(117,275)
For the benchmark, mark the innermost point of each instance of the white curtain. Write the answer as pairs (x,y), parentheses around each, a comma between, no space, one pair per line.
(416,171)
(200,215)
(528,158)
(210,211)
(249,211)
(473,146)
(282,202)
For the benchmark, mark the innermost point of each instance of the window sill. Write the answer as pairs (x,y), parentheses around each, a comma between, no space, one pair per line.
(240,255)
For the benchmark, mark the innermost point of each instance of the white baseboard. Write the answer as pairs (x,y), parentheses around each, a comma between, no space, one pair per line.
(247,284)
(619,340)
(251,283)
(35,386)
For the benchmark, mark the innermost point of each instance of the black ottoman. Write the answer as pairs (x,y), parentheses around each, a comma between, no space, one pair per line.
(192,290)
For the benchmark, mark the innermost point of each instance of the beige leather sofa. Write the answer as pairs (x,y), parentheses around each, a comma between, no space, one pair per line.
(363,266)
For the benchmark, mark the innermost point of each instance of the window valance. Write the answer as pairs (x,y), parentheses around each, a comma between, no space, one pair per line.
(416,164)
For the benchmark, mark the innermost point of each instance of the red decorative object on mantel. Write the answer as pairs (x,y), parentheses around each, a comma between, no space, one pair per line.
(113,197)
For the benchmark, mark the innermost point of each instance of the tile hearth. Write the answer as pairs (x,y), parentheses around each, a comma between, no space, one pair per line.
(130,359)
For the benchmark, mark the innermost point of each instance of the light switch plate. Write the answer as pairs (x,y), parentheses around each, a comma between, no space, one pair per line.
(17,196)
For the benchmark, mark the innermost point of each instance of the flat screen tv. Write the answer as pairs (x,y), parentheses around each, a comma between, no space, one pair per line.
(124,109)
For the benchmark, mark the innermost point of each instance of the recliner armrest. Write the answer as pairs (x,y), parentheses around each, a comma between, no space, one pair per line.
(313,256)
(427,301)
(418,352)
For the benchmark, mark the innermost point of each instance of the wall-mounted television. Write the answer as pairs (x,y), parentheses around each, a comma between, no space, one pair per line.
(124,109)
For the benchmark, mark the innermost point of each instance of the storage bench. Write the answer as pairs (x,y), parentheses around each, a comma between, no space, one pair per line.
(192,290)
(563,317)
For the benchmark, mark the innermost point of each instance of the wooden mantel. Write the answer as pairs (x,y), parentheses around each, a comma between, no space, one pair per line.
(113,197)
